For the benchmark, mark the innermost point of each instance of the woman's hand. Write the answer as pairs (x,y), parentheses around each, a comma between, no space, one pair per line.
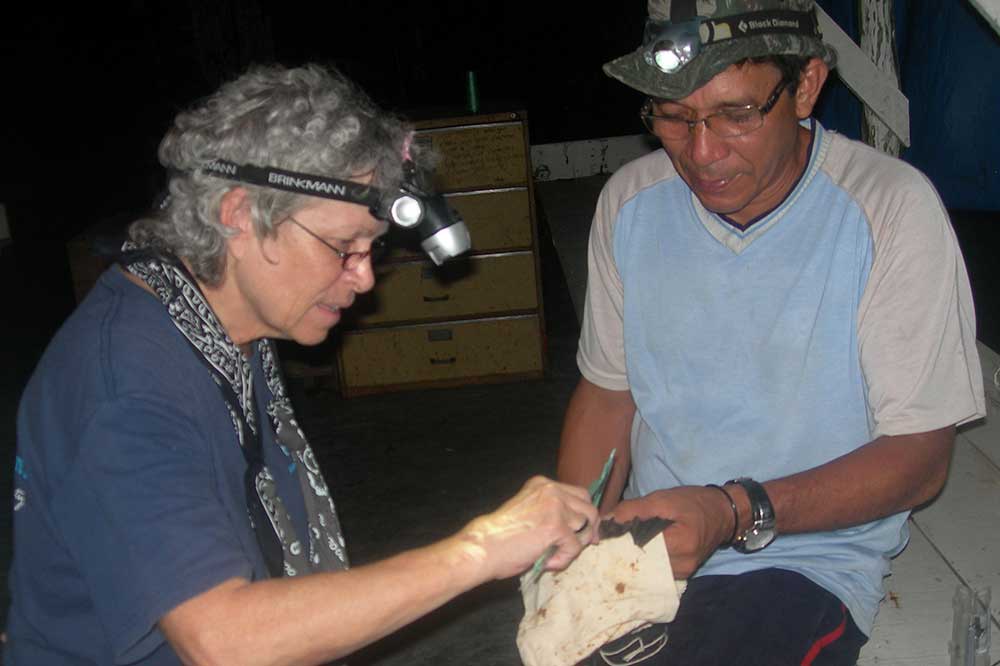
(544,513)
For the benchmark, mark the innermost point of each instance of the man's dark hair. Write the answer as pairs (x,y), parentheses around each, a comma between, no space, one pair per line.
(790,66)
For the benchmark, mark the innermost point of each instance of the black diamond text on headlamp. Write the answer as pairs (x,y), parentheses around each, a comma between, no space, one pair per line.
(443,234)
(670,46)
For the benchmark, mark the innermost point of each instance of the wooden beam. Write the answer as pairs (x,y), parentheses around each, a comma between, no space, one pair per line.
(878,41)
(874,88)
(990,9)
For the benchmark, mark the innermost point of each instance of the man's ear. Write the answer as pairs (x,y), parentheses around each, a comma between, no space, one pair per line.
(810,84)
(235,216)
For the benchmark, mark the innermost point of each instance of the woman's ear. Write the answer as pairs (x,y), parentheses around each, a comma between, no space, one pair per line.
(235,216)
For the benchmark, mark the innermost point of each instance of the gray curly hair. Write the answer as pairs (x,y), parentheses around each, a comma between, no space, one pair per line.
(309,119)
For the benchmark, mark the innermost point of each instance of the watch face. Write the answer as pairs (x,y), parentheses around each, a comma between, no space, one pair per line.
(757,539)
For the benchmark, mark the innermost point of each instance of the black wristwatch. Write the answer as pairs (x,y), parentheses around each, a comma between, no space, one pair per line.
(762,531)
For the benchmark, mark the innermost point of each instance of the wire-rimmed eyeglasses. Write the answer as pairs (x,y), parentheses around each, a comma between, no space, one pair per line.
(726,122)
(349,260)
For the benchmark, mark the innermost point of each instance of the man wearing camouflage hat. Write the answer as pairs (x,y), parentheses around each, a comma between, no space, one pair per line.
(779,335)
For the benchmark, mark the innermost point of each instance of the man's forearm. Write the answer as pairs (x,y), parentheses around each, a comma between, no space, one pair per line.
(888,475)
(597,421)
(884,477)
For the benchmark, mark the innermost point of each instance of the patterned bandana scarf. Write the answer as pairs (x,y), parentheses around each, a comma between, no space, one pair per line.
(282,548)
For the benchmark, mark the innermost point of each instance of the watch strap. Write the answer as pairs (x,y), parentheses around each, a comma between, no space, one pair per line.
(761,509)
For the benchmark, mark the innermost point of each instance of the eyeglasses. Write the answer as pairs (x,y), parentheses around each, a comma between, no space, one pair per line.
(349,260)
(726,123)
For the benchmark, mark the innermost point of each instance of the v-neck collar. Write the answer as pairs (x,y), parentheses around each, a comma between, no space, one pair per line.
(737,239)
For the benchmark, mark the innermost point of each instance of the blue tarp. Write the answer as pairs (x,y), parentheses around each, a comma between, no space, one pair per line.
(949,59)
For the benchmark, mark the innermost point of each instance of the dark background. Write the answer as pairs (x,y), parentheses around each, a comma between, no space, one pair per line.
(91,89)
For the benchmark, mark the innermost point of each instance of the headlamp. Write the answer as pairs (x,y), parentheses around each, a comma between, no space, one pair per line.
(406,211)
(670,46)
(443,234)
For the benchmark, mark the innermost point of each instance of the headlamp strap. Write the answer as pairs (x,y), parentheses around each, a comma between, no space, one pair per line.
(294,181)
(778,21)
(750,24)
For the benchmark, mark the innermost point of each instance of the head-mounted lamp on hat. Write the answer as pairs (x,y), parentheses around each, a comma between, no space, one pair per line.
(687,42)
(669,46)
(443,235)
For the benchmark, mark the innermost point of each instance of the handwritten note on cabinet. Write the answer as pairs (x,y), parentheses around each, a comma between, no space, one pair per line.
(478,156)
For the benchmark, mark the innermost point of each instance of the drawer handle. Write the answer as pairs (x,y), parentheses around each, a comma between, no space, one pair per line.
(443,361)
(436,299)
(439,335)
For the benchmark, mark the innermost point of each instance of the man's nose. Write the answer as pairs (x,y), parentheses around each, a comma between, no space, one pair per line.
(705,146)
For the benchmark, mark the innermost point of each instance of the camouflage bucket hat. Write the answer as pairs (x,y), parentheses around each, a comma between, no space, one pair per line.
(687,42)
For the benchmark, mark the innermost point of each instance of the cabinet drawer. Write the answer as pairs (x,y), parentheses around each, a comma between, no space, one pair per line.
(485,349)
(477,157)
(481,285)
(497,220)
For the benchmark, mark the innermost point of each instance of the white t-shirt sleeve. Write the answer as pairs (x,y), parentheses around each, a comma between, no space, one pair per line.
(916,326)
(601,354)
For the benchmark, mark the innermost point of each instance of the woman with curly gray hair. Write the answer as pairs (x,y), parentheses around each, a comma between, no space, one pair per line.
(171,508)
(305,120)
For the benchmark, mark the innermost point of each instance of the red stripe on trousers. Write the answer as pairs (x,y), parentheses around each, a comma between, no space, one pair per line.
(826,640)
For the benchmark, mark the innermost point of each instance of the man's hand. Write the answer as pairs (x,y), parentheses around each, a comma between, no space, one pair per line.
(703,521)
(543,514)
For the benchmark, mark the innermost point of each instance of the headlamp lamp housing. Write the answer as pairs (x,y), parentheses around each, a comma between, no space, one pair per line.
(406,210)
(668,47)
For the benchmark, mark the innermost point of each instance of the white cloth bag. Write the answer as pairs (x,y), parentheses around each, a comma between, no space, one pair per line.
(612,588)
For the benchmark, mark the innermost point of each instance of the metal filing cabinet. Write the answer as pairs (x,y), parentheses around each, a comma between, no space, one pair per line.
(475,319)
